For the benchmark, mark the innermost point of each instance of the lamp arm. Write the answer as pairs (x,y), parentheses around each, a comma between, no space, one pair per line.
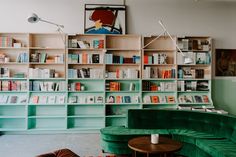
(153,40)
(62,35)
(61,26)
(164,28)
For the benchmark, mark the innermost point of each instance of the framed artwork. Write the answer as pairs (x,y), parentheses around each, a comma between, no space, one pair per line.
(225,63)
(104,19)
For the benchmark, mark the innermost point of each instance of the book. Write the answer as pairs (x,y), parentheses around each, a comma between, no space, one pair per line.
(60,99)
(13,99)
(162,99)
(118,99)
(43,99)
(188,98)
(198,99)
(23,99)
(170,99)
(99,99)
(205,99)
(51,99)
(147,99)
(111,99)
(155,99)
(90,99)
(72,99)
(127,99)
(4,99)
(35,99)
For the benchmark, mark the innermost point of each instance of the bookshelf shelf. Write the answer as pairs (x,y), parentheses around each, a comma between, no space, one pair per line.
(122,91)
(46,48)
(158,91)
(79,49)
(14,48)
(85,91)
(14,63)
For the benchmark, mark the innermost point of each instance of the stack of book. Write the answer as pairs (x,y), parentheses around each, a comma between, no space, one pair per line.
(98,44)
(113,86)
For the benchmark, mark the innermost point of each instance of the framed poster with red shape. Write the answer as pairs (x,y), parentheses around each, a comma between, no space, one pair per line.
(104,19)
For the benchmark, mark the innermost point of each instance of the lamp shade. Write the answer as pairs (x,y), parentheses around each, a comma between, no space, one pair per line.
(33,18)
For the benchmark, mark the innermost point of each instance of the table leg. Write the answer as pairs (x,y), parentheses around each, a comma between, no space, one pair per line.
(135,153)
(147,154)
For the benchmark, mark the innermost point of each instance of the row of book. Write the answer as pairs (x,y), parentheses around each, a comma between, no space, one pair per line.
(13,99)
(96,43)
(125,74)
(6,41)
(162,86)
(154,72)
(122,99)
(85,58)
(47,86)
(85,99)
(156,58)
(4,72)
(193,86)
(93,73)
(158,99)
(76,86)
(42,57)
(41,73)
(194,44)
(188,72)
(115,59)
(193,99)
(201,109)
(45,99)
(197,57)
(13,86)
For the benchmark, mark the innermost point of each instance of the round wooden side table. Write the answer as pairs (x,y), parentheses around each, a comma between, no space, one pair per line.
(166,146)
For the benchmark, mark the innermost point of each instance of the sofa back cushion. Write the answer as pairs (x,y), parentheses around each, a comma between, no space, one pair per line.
(220,125)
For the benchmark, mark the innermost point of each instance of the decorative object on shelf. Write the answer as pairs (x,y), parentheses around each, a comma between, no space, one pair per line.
(187,59)
(105,19)
(225,62)
(154,138)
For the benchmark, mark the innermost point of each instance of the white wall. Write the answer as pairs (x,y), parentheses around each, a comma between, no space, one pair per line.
(182,17)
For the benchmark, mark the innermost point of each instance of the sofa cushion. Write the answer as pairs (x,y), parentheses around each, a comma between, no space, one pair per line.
(115,147)
(121,133)
(217,147)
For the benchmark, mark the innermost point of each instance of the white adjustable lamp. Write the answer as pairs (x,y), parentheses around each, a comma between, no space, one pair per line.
(187,60)
(33,18)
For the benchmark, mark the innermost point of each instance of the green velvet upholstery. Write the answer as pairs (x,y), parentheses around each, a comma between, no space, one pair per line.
(190,127)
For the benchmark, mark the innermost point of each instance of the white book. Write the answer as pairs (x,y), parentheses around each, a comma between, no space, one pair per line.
(60,99)
(43,99)
(90,99)
(23,99)
(162,99)
(51,99)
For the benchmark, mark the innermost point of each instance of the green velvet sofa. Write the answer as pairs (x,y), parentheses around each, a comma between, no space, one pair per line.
(202,134)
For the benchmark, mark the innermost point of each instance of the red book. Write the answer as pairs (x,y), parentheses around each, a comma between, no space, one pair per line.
(77,86)
(145,59)
(155,99)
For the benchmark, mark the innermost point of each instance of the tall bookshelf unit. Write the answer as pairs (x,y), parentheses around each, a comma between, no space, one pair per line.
(122,78)
(194,80)
(93,80)
(159,73)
